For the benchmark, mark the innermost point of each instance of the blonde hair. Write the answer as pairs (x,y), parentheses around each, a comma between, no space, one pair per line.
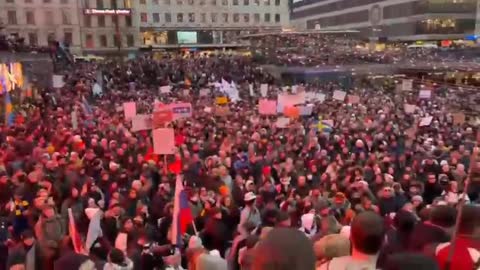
(332,246)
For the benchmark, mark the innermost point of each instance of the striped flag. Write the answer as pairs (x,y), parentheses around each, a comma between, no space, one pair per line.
(73,233)
(9,115)
(182,214)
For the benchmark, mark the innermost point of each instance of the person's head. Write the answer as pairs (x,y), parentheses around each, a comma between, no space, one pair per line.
(48,211)
(470,221)
(250,198)
(284,249)
(431,178)
(367,233)
(443,216)
(28,238)
(128,225)
(387,192)
(301,181)
(332,246)
(283,220)
(116,256)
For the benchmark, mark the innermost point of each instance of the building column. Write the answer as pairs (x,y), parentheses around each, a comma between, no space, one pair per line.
(477,19)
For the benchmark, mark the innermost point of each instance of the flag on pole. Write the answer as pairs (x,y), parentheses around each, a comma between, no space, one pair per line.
(9,116)
(73,233)
(182,214)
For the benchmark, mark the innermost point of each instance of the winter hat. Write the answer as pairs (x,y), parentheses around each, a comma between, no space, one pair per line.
(284,249)
(307,221)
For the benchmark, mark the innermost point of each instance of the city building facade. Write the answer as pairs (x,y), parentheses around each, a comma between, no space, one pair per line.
(41,21)
(108,26)
(206,23)
(408,20)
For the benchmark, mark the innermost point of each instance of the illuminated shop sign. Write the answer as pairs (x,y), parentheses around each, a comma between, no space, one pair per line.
(93,11)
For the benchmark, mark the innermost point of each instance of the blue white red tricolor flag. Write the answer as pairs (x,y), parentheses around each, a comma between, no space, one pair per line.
(182,214)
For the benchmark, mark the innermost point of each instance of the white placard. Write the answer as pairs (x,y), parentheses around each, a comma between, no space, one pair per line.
(339,95)
(426,121)
(282,122)
(407,85)
(165,89)
(264,89)
(57,81)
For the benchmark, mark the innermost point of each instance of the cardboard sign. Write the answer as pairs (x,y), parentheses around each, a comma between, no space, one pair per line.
(161,117)
(291,100)
(129,110)
(267,107)
(264,89)
(222,111)
(425,94)
(282,122)
(165,89)
(292,112)
(141,122)
(163,141)
(409,108)
(339,95)
(353,99)
(426,121)
(204,92)
(181,110)
(57,81)
(221,100)
(458,118)
(314,96)
(407,85)
(306,110)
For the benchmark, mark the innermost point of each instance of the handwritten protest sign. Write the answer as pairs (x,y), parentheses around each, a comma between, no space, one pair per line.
(353,99)
(291,100)
(163,141)
(267,107)
(407,85)
(306,110)
(129,109)
(264,89)
(315,96)
(425,94)
(282,122)
(141,122)
(57,81)
(222,100)
(339,95)
(426,121)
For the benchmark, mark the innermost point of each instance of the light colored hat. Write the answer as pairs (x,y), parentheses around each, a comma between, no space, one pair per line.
(250,196)
(332,246)
(307,221)
(417,198)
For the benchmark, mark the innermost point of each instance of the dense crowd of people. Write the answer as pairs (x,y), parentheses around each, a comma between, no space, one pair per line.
(372,189)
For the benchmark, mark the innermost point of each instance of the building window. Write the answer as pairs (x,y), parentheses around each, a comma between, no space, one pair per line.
(201,2)
(117,41)
(246,17)
(225,17)
(47,1)
(277,2)
(30,17)
(235,2)
(143,2)
(277,18)
(89,41)
(168,2)
(225,2)
(191,17)
(256,2)
(190,2)
(33,39)
(168,17)
(64,2)
(130,41)
(246,2)
(267,2)
(267,17)
(179,2)
(50,37)
(26,1)
(114,20)
(12,17)
(214,2)
(236,17)
(127,3)
(143,17)
(256,18)
(180,17)
(68,38)
(103,41)
(87,20)
(156,17)
(128,21)
(100,4)
(203,17)
(214,17)
(66,18)
(155,2)
(101,20)
(10,1)
(49,18)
